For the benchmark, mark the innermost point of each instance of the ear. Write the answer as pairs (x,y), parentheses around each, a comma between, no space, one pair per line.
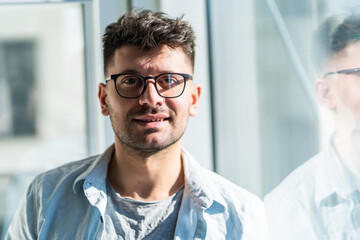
(102,95)
(324,92)
(195,97)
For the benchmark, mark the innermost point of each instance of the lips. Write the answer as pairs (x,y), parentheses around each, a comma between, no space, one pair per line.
(152,118)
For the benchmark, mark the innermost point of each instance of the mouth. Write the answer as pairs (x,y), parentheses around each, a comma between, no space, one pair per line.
(151,119)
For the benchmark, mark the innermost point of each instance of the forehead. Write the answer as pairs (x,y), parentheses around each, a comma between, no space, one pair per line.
(347,58)
(162,59)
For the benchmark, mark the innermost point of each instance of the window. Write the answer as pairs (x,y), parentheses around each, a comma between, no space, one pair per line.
(17,89)
(42,95)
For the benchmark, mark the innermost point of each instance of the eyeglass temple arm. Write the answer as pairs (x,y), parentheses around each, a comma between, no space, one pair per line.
(343,71)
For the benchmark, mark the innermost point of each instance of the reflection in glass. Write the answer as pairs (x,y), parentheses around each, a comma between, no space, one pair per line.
(321,198)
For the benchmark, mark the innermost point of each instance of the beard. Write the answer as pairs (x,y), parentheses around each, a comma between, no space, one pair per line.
(123,131)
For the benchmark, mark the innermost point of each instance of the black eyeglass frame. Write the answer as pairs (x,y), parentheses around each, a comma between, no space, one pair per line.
(115,76)
(345,71)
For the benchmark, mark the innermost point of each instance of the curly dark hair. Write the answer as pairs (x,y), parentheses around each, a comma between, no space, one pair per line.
(148,30)
(333,36)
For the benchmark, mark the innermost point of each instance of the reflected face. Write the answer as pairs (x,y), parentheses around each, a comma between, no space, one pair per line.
(346,87)
(149,123)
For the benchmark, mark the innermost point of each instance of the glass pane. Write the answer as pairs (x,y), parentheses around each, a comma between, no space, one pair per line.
(42,95)
(273,134)
(310,148)
(290,131)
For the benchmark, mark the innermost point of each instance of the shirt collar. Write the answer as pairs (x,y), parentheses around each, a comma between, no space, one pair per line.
(334,182)
(96,173)
(197,184)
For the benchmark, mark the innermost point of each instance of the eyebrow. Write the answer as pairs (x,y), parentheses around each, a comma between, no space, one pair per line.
(131,71)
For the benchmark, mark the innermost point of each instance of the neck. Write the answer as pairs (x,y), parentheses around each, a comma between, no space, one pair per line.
(146,176)
(347,145)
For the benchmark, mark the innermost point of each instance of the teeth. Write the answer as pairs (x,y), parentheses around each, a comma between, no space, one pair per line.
(152,120)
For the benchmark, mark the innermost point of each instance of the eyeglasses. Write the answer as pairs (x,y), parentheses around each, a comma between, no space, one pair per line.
(131,85)
(345,71)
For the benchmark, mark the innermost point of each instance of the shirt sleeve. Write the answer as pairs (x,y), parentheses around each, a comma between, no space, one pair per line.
(24,222)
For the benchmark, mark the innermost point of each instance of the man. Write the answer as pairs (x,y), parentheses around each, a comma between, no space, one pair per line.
(320,199)
(145,185)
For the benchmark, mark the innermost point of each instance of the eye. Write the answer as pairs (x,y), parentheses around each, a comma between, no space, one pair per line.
(168,81)
(131,80)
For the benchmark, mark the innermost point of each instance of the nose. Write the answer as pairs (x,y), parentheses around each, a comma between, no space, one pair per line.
(150,96)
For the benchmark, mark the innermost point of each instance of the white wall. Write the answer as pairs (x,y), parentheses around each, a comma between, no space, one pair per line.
(236,93)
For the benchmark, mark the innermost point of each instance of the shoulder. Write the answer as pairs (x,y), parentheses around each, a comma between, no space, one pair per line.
(294,200)
(72,169)
(218,187)
(244,209)
(61,177)
(57,189)
(49,200)
(230,191)
(299,182)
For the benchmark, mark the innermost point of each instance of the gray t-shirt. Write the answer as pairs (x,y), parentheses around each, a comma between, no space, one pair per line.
(126,218)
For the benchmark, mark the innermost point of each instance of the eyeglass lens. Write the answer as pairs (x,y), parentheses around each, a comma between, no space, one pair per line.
(167,85)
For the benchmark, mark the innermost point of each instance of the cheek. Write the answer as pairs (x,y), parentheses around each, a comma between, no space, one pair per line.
(349,95)
(180,106)
(117,109)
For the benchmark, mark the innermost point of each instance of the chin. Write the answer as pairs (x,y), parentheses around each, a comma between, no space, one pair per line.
(149,149)
(148,142)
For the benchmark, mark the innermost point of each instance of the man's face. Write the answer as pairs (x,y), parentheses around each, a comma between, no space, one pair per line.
(343,93)
(149,123)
